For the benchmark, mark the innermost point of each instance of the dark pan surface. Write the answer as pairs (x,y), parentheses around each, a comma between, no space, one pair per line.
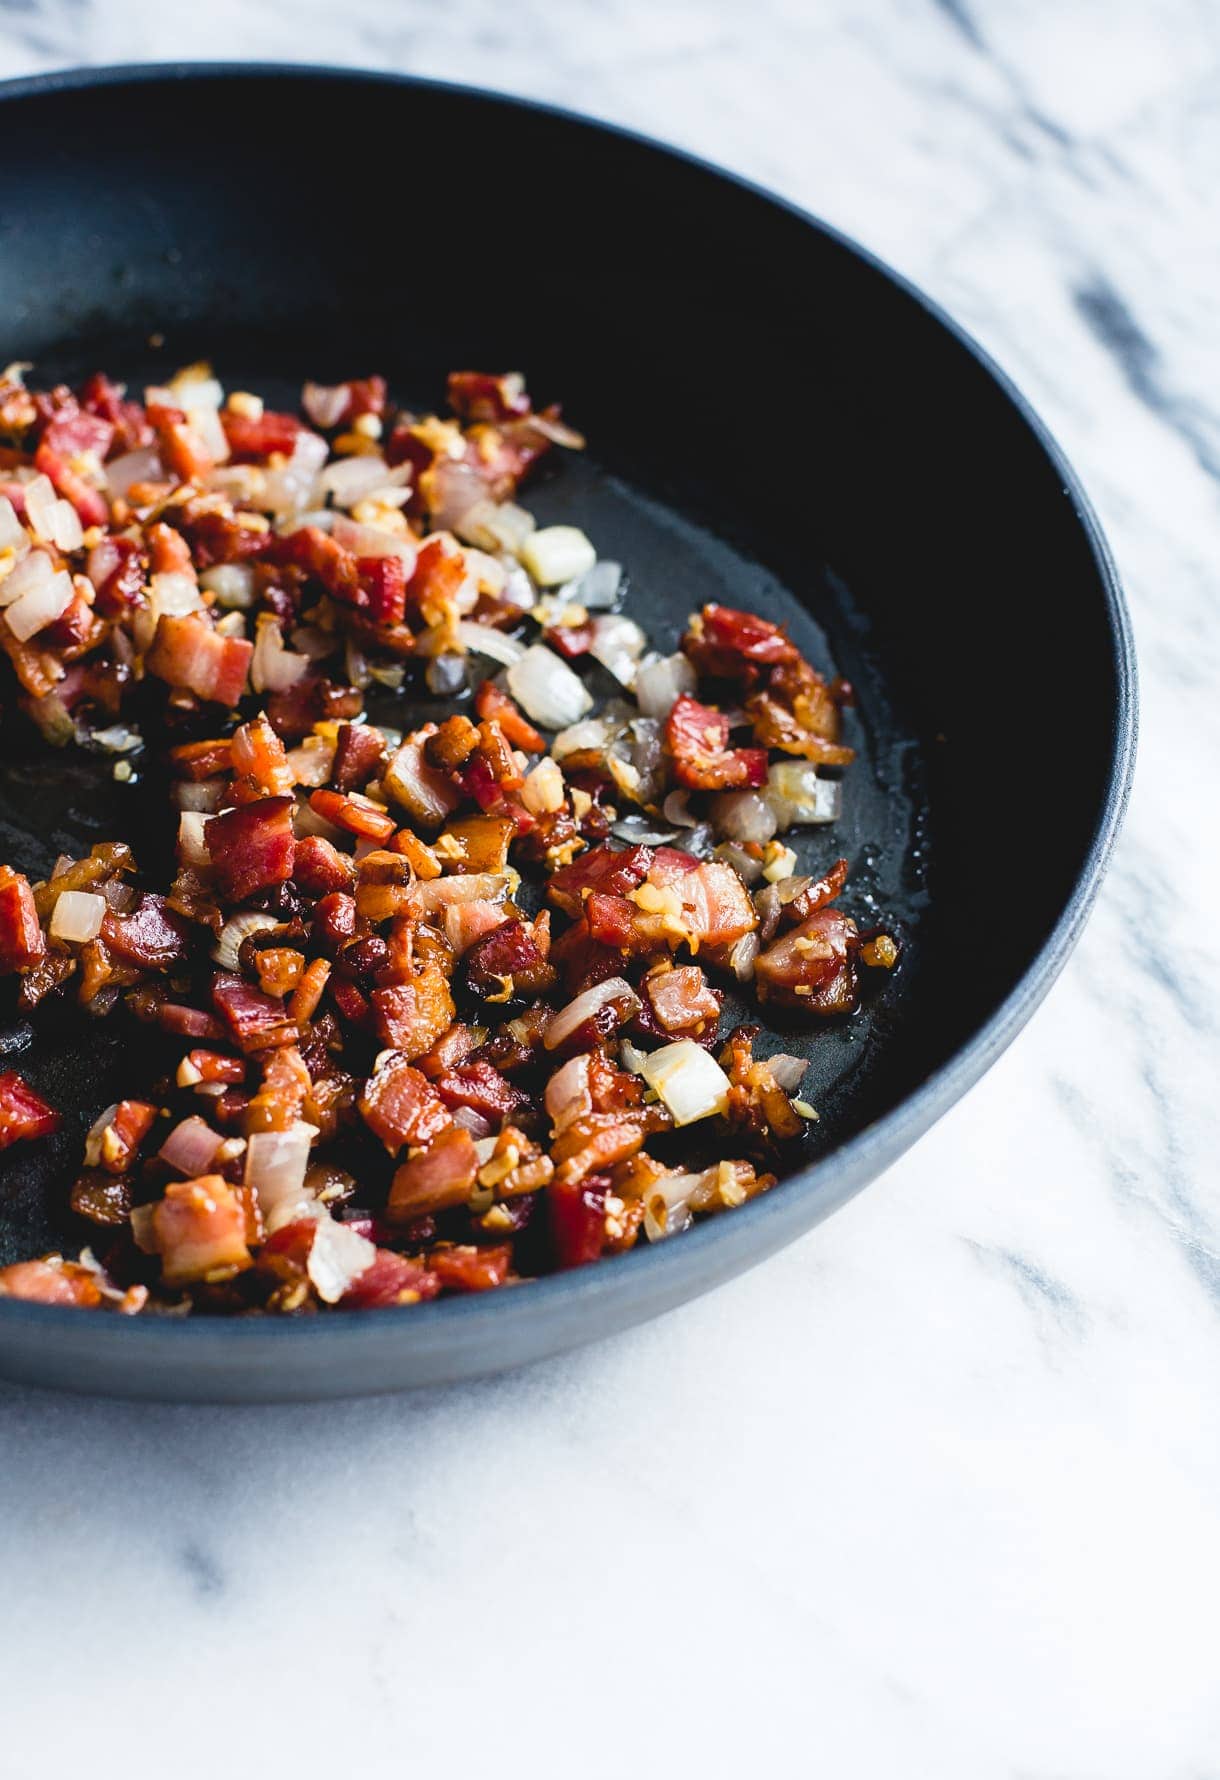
(774,421)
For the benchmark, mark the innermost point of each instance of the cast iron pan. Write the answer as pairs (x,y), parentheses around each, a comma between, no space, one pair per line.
(776,421)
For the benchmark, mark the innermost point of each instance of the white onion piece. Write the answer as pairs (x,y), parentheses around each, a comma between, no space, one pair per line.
(31,572)
(373,540)
(481,639)
(338,1255)
(77,916)
(475,886)
(742,816)
(321,518)
(495,525)
(426,794)
(175,592)
(273,668)
(237,928)
(455,489)
(618,643)
(40,607)
(12,532)
(200,796)
(285,491)
(232,583)
(41,501)
(204,422)
(67,532)
(542,791)
(122,473)
(191,1147)
(689,1081)
(116,739)
(660,681)
(585,1006)
(325,403)
(743,957)
(667,1209)
(353,479)
(192,848)
(598,590)
(195,387)
(478,1127)
(799,797)
(567,1094)
(518,589)
(547,690)
(275,1167)
(578,736)
(556,554)
(787,1070)
(94,1135)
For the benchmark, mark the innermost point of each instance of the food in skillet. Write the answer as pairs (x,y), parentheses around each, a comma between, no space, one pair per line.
(443,1002)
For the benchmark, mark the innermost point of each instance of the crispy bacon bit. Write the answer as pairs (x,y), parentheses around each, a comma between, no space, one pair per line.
(22,942)
(400,1106)
(50,1282)
(252,847)
(464,1268)
(495,706)
(729,645)
(605,870)
(359,752)
(199,1230)
(812,967)
(437,1177)
(260,764)
(383,580)
(696,737)
(390,1279)
(256,1021)
(578,1219)
(358,815)
(188,653)
(253,437)
(798,714)
(24,1114)
(682,1001)
(151,934)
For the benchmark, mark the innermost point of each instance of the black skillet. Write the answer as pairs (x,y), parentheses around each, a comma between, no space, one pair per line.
(776,421)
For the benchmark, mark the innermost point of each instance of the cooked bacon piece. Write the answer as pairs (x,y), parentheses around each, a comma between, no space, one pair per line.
(696,737)
(383,580)
(260,762)
(251,848)
(308,992)
(254,437)
(24,1114)
(285,1087)
(757,1103)
(279,969)
(607,870)
(203,760)
(733,645)
(320,868)
(716,906)
(188,653)
(412,1012)
(400,1105)
(182,449)
(483,1089)
(334,921)
(571,640)
(390,1279)
(210,1066)
(812,967)
(199,1230)
(798,713)
(468,922)
(597,1140)
(478,843)
(481,395)
(116,568)
(495,706)
(222,537)
(128,420)
(817,893)
(353,812)
(439,1176)
(104,1199)
(256,1021)
(50,1282)
(338,404)
(116,1146)
(186,1022)
(22,942)
(150,933)
(577,1218)
(90,505)
(440,570)
(509,961)
(311,549)
(461,1267)
(682,1001)
(359,752)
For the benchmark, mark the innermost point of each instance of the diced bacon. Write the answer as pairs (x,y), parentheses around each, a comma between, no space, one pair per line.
(168,551)
(116,569)
(729,645)
(412,1016)
(508,959)
(384,581)
(72,434)
(358,815)
(202,760)
(338,404)
(467,922)
(252,438)
(682,1000)
(189,1022)
(812,967)
(212,1066)
(130,423)
(440,569)
(606,870)
(480,395)
(188,653)
(577,1216)
(716,906)
(320,868)
(391,1279)
(483,1089)
(182,448)
(359,751)
(199,1230)
(118,1143)
(696,738)
(255,1020)
(24,1114)
(90,505)
(150,933)
(571,640)
(311,549)
(252,847)
(401,1107)
(22,942)
(441,1175)
(259,759)
(464,1268)
(493,705)
(48,1282)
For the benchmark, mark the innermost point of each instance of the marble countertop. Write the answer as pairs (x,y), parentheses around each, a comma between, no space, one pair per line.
(937,1491)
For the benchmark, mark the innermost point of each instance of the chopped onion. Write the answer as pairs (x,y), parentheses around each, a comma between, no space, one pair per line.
(31,572)
(272,667)
(641,831)
(373,540)
(175,592)
(542,791)
(192,849)
(518,589)
(116,739)
(787,1070)
(325,403)
(742,816)
(475,886)
(598,590)
(338,1255)
(122,473)
(660,681)
(455,488)
(66,530)
(194,387)
(689,1081)
(232,583)
(12,532)
(585,1006)
(40,607)
(618,643)
(202,795)
(747,867)
(743,957)
(495,525)
(41,501)
(547,689)
(667,1209)
(446,675)
(574,740)
(353,479)
(191,1147)
(237,928)
(94,1135)
(556,554)
(287,490)
(275,1167)
(77,916)
(204,422)
(474,1122)
(481,639)
(799,797)
(322,518)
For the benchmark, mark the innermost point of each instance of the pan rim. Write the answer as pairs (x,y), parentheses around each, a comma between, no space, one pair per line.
(670,1273)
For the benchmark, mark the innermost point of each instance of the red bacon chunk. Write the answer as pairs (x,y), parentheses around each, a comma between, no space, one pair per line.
(359,751)
(696,737)
(47,1282)
(90,505)
(150,934)
(182,449)
(495,706)
(733,645)
(187,652)
(465,1268)
(439,1177)
(577,1211)
(391,1279)
(401,1106)
(199,1230)
(22,943)
(479,395)
(812,967)
(483,1089)
(256,1021)
(252,847)
(23,1113)
(384,582)
(320,868)
(250,438)
(608,870)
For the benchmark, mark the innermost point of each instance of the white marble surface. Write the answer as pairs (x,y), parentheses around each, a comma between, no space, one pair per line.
(937,1492)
